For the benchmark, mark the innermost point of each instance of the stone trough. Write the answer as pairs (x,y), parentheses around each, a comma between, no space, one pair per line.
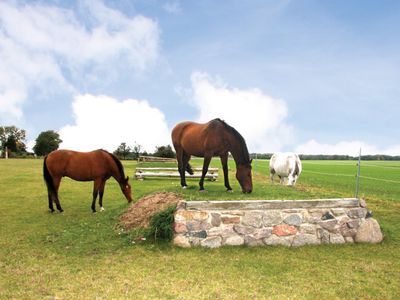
(274,222)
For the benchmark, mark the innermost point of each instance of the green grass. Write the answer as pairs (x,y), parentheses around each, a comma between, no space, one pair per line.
(81,255)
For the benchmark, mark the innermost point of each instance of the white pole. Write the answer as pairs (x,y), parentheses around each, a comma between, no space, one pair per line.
(6,138)
(358,174)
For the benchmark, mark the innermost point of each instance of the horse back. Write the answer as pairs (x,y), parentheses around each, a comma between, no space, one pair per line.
(198,139)
(81,166)
(189,137)
(283,164)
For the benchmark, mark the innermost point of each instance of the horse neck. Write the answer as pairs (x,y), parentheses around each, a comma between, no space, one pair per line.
(117,174)
(237,151)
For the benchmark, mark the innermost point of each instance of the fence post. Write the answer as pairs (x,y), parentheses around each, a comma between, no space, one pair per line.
(358,174)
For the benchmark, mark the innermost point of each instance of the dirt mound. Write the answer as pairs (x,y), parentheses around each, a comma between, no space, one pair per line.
(140,213)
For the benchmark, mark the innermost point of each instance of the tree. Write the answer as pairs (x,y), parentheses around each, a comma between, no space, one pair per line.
(123,150)
(136,150)
(164,151)
(46,142)
(13,138)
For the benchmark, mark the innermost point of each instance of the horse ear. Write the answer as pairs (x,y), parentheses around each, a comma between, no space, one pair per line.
(127,178)
(251,160)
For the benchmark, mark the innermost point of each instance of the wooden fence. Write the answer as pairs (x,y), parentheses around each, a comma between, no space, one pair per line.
(142,173)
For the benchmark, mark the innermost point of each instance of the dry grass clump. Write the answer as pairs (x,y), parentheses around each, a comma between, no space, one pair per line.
(139,214)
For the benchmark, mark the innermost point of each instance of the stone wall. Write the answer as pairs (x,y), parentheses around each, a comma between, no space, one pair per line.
(274,222)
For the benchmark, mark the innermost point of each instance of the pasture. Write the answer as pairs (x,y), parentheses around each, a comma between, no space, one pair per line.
(78,254)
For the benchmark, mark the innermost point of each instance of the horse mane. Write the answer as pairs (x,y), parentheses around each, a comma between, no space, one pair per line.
(245,156)
(117,162)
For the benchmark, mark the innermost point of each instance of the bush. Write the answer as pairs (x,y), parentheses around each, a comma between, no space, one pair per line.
(46,142)
(161,225)
(164,151)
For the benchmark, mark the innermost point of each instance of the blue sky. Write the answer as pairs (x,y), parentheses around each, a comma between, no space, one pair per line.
(304,76)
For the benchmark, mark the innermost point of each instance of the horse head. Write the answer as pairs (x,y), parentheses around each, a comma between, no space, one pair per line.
(243,175)
(292,178)
(126,189)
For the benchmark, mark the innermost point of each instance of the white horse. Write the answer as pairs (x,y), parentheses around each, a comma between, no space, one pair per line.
(285,165)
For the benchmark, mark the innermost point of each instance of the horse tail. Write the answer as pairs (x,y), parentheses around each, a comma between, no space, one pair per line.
(189,169)
(47,177)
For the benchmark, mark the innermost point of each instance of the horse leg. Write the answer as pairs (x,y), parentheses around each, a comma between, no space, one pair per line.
(185,163)
(181,167)
(96,186)
(57,181)
(224,162)
(272,175)
(50,201)
(206,163)
(101,193)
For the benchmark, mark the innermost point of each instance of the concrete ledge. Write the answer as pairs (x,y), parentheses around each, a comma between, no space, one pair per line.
(270,204)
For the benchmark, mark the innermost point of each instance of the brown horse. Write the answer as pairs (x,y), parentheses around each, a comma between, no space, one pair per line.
(98,165)
(215,138)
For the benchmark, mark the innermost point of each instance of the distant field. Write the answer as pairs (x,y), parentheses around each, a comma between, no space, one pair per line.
(78,254)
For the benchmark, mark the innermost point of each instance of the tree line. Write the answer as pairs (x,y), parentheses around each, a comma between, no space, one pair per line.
(13,144)
(127,152)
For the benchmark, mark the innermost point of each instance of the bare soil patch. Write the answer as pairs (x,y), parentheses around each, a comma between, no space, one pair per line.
(139,214)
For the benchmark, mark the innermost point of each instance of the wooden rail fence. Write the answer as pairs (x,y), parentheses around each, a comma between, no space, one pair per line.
(142,173)
(155,159)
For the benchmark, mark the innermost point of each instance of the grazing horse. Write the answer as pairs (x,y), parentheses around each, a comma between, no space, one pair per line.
(215,138)
(97,166)
(285,165)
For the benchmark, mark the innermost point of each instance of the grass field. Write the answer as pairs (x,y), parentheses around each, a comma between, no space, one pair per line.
(80,255)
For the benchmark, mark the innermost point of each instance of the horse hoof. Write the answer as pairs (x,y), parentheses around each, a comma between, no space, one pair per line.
(229,191)
(102,209)
(61,210)
(202,190)
(184,187)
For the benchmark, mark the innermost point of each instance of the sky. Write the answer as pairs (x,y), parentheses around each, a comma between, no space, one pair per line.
(309,76)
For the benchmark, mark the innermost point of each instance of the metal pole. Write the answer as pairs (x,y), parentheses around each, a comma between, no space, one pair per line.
(358,174)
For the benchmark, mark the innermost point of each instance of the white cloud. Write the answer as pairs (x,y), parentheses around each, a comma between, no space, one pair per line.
(173,7)
(351,148)
(258,117)
(104,122)
(45,47)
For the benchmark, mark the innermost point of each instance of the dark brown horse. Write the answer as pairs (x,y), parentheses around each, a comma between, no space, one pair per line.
(97,166)
(215,138)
